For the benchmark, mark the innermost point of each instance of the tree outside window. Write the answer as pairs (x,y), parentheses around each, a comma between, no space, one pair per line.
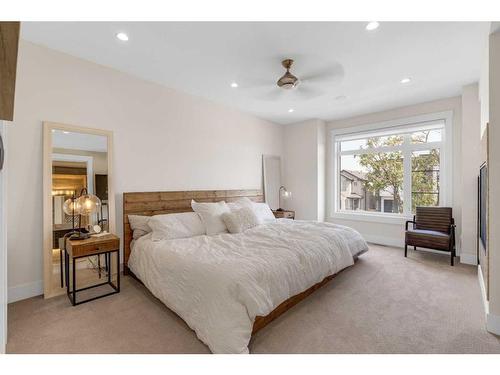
(378,164)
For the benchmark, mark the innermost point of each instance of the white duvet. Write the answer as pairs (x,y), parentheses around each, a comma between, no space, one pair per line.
(219,284)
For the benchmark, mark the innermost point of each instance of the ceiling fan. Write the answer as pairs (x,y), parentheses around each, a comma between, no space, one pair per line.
(307,87)
(288,80)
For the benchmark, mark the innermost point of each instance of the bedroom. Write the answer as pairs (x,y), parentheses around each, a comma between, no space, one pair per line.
(251,187)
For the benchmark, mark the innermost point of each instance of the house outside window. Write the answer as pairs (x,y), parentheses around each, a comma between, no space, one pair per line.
(392,170)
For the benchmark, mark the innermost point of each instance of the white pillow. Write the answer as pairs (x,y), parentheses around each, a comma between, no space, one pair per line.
(263,212)
(240,219)
(139,225)
(172,226)
(211,216)
(239,203)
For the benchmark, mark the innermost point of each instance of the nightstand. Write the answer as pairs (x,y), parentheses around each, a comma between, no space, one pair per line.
(97,245)
(285,214)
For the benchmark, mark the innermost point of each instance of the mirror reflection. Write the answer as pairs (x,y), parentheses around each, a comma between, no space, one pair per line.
(79,198)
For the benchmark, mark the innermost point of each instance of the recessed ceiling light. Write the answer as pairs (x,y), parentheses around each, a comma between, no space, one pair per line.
(405,80)
(291,110)
(372,25)
(65,132)
(234,85)
(122,36)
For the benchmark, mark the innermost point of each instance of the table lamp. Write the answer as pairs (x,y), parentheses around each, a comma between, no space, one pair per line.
(285,194)
(86,204)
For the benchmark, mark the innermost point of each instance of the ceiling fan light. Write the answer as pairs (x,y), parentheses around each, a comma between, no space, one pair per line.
(372,26)
(122,36)
(287,86)
(288,81)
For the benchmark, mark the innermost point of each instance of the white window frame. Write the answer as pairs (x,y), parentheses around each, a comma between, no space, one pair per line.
(446,165)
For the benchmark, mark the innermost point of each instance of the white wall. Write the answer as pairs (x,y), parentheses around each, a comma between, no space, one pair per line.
(484,90)
(163,140)
(304,147)
(471,161)
(392,233)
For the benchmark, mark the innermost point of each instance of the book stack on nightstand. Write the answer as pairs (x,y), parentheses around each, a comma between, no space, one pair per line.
(284,214)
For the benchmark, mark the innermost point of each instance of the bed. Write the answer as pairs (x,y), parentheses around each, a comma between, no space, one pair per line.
(228,286)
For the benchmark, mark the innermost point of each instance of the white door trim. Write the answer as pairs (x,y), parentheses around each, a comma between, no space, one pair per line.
(89,160)
(3,248)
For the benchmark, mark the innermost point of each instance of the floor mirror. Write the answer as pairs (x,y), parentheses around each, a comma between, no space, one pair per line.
(76,161)
(271,165)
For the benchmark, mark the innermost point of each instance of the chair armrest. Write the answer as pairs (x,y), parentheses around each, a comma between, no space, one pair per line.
(409,221)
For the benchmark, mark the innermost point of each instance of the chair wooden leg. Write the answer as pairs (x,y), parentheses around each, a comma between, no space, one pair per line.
(415,248)
(406,250)
(452,256)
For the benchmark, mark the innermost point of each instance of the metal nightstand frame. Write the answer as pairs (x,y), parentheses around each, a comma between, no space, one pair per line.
(72,293)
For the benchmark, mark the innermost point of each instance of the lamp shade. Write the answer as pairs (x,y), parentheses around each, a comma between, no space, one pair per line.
(285,193)
(71,207)
(88,204)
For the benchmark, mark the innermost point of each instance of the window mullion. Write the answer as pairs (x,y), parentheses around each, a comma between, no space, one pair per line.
(407,175)
(425,146)
(372,150)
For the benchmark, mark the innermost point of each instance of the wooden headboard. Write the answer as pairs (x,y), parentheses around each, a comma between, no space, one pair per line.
(167,202)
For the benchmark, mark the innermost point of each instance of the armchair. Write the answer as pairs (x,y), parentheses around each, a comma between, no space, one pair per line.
(433,228)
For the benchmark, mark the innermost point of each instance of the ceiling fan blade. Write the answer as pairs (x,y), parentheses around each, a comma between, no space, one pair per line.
(274,94)
(257,84)
(333,72)
(308,92)
(255,87)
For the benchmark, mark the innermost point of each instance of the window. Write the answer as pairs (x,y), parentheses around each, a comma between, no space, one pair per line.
(391,169)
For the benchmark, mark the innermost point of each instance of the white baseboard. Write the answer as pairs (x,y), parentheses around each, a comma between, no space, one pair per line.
(493,324)
(388,241)
(28,290)
(396,242)
(384,240)
(492,320)
(483,290)
(468,259)
(23,291)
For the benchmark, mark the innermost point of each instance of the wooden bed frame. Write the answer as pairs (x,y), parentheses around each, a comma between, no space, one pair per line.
(156,203)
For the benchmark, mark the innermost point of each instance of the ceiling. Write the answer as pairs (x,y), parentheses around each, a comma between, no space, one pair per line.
(205,58)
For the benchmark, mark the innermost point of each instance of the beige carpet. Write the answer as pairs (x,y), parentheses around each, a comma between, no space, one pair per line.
(384,304)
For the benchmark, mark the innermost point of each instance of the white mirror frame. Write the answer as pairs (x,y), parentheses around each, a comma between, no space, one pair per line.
(48,291)
(272,179)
